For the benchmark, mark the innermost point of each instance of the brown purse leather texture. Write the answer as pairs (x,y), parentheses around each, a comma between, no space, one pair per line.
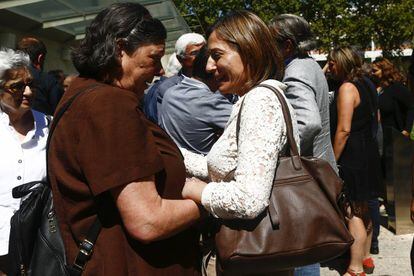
(302,225)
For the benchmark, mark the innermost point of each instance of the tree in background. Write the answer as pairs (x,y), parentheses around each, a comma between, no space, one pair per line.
(390,23)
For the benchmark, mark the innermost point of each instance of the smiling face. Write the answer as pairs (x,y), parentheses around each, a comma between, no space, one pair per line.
(17,95)
(140,67)
(226,65)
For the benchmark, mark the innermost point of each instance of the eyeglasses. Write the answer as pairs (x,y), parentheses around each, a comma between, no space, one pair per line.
(192,54)
(18,87)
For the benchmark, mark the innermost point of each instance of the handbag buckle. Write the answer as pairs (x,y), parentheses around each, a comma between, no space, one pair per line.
(85,252)
(86,247)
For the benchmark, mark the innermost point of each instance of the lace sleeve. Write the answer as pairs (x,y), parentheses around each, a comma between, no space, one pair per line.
(195,164)
(262,135)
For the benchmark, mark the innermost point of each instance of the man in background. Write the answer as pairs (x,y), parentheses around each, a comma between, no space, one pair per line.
(192,112)
(186,49)
(307,92)
(47,90)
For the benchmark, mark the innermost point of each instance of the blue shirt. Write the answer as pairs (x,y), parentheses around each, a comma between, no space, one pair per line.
(154,95)
(193,115)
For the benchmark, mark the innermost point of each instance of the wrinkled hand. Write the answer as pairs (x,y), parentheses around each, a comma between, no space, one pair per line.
(412,210)
(193,188)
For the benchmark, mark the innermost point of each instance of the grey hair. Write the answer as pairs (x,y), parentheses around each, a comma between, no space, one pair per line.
(296,29)
(187,39)
(11,59)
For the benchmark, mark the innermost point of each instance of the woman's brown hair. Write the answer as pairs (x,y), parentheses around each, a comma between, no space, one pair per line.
(390,73)
(252,39)
(348,61)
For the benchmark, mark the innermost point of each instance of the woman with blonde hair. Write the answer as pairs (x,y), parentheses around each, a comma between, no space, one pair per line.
(242,56)
(353,121)
(396,102)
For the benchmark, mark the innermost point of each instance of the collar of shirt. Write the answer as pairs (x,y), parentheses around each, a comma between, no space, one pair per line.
(288,60)
(40,129)
(194,83)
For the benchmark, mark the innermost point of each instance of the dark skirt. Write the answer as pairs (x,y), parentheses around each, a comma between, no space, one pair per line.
(360,167)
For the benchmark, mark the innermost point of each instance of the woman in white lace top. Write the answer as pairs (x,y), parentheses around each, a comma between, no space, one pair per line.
(242,56)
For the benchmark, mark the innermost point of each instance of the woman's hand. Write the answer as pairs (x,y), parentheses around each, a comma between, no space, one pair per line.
(193,189)
(405,133)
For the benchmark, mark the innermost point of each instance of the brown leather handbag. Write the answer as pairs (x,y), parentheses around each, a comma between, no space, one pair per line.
(303,224)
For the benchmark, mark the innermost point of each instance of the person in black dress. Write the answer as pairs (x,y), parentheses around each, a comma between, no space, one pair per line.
(396,102)
(353,124)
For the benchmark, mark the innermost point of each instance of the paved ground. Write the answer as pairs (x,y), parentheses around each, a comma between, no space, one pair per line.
(394,257)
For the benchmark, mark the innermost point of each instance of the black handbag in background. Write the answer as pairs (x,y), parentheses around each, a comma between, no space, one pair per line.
(35,246)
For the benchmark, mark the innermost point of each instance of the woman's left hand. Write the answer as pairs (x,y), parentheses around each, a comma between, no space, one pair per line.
(193,189)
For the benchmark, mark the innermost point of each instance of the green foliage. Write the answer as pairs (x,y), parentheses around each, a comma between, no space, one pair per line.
(393,23)
(390,23)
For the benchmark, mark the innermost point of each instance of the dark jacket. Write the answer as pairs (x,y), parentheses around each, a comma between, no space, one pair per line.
(396,104)
(47,91)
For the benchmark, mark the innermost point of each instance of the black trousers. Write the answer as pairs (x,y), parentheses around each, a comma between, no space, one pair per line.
(373,206)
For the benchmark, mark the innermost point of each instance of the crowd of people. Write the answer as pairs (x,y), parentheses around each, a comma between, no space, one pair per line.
(152,164)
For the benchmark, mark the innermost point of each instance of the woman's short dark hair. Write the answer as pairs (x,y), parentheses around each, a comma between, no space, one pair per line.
(296,29)
(126,24)
(251,38)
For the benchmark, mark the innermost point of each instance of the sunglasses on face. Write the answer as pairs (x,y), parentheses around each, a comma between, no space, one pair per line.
(18,87)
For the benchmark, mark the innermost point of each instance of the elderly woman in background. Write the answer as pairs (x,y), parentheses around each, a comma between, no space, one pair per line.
(353,117)
(396,102)
(23,133)
(242,56)
(107,161)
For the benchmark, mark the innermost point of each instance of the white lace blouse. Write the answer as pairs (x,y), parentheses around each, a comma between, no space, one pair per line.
(262,137)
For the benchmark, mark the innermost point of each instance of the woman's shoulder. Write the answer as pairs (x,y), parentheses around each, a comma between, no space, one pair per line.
(110,99)
(263,99)
(103,102)
(348,85)
(100,92)
(112,94)
(264,92)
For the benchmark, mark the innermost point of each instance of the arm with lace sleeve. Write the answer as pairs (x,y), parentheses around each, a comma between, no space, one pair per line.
(195,164)
(262,135)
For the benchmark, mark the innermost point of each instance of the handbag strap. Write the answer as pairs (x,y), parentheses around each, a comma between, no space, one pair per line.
(293,148)
(86,246)
(62,110)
